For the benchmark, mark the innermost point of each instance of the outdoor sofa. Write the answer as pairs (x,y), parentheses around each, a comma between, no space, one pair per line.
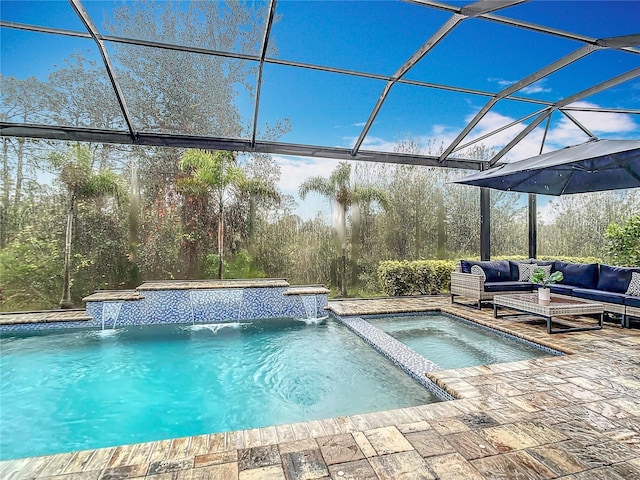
(617,288)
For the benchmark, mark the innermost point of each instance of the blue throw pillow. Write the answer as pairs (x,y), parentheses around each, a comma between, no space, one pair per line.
(494,271)
(615,279)
(465,265)
(583,275)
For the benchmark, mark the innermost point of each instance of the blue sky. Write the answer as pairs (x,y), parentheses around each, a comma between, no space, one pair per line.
(377,37)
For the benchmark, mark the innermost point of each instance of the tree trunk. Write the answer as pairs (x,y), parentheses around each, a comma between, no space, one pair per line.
(66,289)
(220,241)
(251,226)
(134,225)
(442,239)
(355,245)
(6,187)
(19,173)
(343,266)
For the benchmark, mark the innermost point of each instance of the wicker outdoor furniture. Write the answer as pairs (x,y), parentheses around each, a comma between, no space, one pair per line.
(528,303)
(630,312)
(608,285)
(472,286)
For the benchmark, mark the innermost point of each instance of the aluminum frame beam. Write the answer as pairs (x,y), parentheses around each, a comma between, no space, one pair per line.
(215,143)
(612,82)
(525,25)
(442,32)
(255,58)
(263,54)
(470,11)
(534,77)
(95,35)
(481,10)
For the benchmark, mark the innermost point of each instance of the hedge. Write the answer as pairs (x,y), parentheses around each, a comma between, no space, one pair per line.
(431,277)
(420,277)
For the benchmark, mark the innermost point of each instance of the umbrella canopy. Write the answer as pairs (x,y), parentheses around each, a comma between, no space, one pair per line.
(589,167)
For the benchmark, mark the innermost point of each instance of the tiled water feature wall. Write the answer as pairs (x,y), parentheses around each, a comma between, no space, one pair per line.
(196,302)
(210,302)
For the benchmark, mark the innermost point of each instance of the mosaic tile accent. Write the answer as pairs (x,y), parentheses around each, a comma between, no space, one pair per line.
(400,354)
(197,305)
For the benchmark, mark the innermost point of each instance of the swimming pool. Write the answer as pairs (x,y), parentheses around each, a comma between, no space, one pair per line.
(453,343)
(81,389)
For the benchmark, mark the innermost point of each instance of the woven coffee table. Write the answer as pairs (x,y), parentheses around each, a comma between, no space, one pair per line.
(558,306)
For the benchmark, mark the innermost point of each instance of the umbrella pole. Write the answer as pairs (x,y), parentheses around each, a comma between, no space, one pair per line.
(485,224)
(533,226)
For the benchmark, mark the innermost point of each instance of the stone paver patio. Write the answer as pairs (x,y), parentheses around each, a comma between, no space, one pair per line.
(572,417)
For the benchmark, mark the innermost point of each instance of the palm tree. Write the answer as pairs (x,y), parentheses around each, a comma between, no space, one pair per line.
(338,188)
(81,183)
(212,174)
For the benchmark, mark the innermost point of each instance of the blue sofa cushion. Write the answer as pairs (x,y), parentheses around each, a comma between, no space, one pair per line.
(508,286)
(632,301)
(465,265)
(562,289)
(599,295)
(494,271)
(615,279)
(582,275)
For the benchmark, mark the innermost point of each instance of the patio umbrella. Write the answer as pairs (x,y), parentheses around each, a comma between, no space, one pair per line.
(593,166)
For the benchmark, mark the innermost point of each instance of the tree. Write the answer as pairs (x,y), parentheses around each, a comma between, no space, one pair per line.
(338,188)
(81,183)
(178,92)
(624,242)
(578,223)
(22,101)
(216,176)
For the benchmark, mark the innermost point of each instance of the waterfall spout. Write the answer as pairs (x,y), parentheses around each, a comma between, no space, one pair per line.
(310,306)
(110,313)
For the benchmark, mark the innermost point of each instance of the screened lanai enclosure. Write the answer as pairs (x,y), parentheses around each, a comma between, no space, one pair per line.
(310,140)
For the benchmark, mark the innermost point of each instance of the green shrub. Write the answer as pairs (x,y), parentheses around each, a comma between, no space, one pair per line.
(623,242)
(420,277)
(240,266)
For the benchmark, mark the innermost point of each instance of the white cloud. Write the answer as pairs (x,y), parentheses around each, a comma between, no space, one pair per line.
(548,213)
(597,122)
(527,147)
(563,132)
(536,87)
(371,143)
(295,170)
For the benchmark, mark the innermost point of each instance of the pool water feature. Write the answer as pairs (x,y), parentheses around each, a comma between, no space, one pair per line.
(453,343)
(82,389)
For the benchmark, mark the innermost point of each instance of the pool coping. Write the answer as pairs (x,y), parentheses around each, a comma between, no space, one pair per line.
(537,418)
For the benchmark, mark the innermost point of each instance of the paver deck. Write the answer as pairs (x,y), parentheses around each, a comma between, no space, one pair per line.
(572,417)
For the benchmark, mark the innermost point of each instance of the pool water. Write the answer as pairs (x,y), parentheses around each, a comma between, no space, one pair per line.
(451,343)
(86,389)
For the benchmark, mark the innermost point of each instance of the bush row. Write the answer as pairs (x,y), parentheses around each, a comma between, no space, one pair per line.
(431,277)
(420,277)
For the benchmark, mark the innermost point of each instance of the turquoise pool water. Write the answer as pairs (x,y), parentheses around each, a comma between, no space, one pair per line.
(84,389)
(451,343)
